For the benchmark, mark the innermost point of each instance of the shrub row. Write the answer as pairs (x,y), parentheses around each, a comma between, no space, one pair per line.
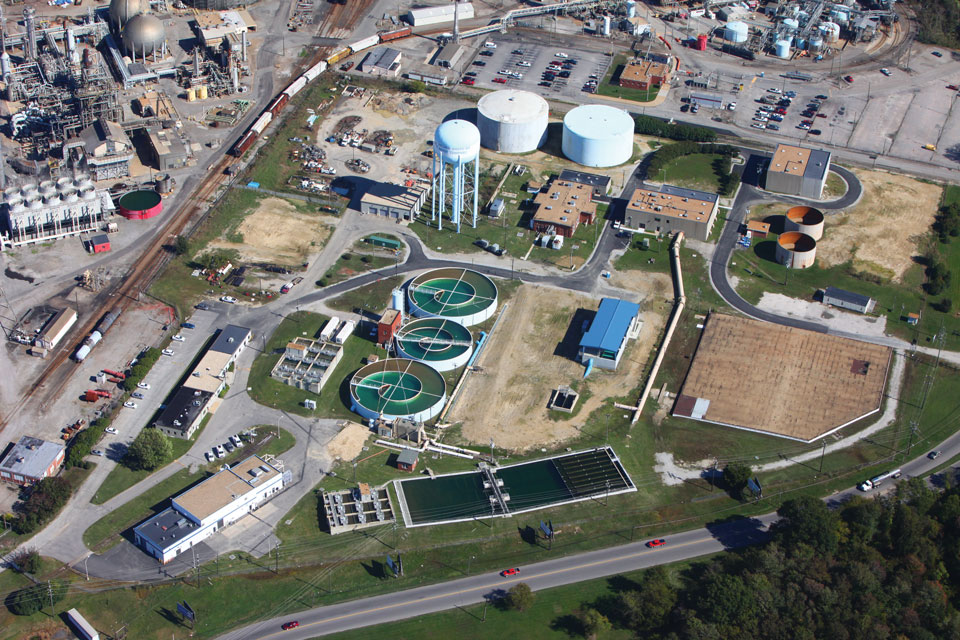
(85,441)
(140,370)
(650,126)
(46,499)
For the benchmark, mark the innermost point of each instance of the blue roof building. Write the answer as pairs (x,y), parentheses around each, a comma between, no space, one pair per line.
(604,342)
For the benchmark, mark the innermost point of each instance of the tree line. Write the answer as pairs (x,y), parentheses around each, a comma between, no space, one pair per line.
(650,126)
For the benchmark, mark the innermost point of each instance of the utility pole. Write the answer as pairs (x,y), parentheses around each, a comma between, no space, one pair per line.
(277,558)
(913,431)
(85,568)
(50,593)
(196,567)
(822,452)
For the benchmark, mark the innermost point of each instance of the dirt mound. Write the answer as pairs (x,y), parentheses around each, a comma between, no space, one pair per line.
(348,444)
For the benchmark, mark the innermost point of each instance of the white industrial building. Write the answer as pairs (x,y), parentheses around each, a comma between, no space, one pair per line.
(441,14)
(215,503)
(382,61)
(50,210)
(512,121)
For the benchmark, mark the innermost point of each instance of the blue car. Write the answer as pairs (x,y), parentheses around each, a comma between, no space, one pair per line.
(188,325)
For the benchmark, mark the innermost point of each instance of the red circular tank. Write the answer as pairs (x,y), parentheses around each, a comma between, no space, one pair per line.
(140,205)
(701,42)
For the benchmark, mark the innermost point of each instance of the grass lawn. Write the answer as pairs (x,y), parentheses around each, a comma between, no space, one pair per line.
(637,258)
(122,477)
(835,186)
(334,399)
(361,297)
(951,194)
(351,264)
(608,87)
(695,171)
(103,534)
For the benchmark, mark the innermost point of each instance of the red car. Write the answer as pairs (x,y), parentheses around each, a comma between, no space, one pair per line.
(468,81)
(293,624)
(506,573)
(659,542)
(848,78)
(500,80)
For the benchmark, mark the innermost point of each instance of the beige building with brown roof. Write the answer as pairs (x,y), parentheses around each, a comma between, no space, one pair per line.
(644,74)
(673,209)
(798,171)
(563,207)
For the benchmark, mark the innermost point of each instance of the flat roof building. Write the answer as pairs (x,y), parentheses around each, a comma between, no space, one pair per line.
(439,15)
(758,228)
(798,171)
(185,409)
(31,460)
(382,61)
(708,100)
(673,209)
(644,74)
(107,149)
(848,300)
(168,150)
(599,183)
(449,55)
(215,503)
(56,328)
(563,207)
(606,339)
(393,200)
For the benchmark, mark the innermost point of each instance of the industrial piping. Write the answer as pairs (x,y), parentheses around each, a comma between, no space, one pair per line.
(681,302)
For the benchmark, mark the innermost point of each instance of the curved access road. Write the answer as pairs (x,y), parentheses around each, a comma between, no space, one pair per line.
(747,196)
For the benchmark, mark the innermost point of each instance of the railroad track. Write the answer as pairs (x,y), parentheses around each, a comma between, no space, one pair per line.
(56,375)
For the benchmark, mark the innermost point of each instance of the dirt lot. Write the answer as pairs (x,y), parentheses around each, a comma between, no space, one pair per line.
(348,444)
(880,233)
(529,355)
(278,232)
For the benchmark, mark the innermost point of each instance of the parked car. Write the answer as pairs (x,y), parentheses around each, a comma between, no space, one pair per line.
(208,455)
(111,430)
(228,299)
(885,71)
(936,53)
(188,325)
(848,79)
(500,80)
(237,442)
(815,132)
(472,74)
(220,451)
(137,395)
(560,54)
(695,108)
(684,108)
(773,127)
(546,83)
(203,306)
(517,52)
(774,90)
(486,53)
(479,63)
(732,106)
(143,385)
(524,63)
(130,404)
(229,446)
(564,74)
(167,352)
(468,81)
(178,338)
(757,125)
(97,452)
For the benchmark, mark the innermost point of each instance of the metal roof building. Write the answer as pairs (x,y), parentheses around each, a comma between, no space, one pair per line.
(848,300)
(438,15)
(382,61)
(604,342)
(31,460)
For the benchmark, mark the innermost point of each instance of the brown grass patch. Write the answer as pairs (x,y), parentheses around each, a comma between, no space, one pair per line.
(278,232)
(348,444)
(880,234)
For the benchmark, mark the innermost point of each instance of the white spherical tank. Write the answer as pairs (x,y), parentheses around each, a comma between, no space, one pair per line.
(597,135)
(512,121)
(737,32)
(143,35)
(457,140)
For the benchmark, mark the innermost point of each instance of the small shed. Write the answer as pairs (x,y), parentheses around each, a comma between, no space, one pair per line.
(758,228)
(913,319)
(99,243)
(534,187)
(388,325)
(496,208)
(407,460)
(848,300)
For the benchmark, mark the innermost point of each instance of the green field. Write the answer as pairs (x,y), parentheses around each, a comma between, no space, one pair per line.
(371,298)
(695,171)
(353,263)
(333,401)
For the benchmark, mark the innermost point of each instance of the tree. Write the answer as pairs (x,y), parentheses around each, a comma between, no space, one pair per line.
(519,597)
(28,560)
(594,623)
(149,450)
(807,520)
(28,601)
(414,86)
(735,477)
(181,245)
(943,306)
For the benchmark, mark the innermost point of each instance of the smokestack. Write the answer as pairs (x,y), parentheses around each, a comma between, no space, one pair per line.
(243,46)
(30,46)
(235,77)
(456,21)
(196,62)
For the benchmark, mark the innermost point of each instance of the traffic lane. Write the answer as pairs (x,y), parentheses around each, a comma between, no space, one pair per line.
(491,586)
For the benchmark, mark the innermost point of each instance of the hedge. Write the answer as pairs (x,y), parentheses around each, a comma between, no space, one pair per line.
(46,499)
(650,126)
(140,370)
(85,441)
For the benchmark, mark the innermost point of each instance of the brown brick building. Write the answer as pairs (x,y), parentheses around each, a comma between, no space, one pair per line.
(563,207)
(644,74)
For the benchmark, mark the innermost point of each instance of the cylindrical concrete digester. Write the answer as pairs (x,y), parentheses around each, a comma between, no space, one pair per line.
(796,250)
(396,388)
(140,205)
(512,121)
(596,135)
(461,295)
(805,220)
(443,344)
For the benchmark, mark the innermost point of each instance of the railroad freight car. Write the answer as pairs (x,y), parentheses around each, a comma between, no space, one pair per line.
(244,143)
(366,43)
(338,55)
(295,87)
(395,35)
(314,71)
(277,104)
(262,122)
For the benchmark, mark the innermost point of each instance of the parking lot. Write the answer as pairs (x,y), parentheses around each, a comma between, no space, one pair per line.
(514,54)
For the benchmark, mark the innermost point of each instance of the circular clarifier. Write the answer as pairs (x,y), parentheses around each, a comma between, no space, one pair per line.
(396,388)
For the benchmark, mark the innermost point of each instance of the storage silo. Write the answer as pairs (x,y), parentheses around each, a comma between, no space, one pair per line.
(791,25)
(796,250)
(597,135)
(512,121)
(782,49)
(805,220)
(815,45)
(631,9)
(736,32)
(606,26)
(830,32)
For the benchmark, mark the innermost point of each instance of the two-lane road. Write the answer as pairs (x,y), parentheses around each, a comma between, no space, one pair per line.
(491,586)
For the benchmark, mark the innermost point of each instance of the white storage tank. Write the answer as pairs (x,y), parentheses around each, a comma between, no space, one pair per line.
(736,32)
(816,44)
(396,301)
(512,121)
(596,135)
(782,48)
(631,9)
(830,32)
(791,24)
(796,250)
